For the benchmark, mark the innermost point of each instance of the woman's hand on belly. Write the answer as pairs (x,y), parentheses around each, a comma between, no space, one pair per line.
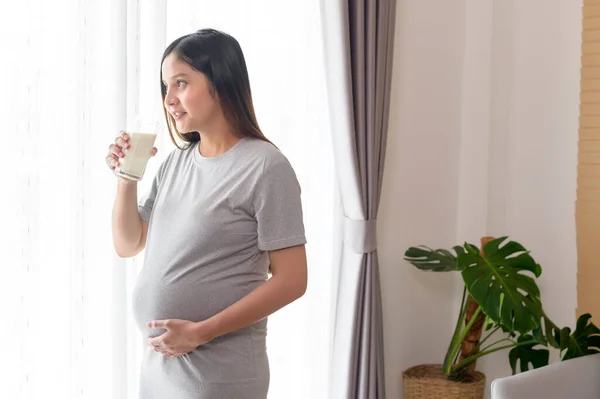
(181,337)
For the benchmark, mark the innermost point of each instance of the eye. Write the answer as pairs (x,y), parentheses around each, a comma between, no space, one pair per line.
(180,83)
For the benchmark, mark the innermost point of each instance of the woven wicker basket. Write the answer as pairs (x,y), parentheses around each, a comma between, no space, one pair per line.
(427,381)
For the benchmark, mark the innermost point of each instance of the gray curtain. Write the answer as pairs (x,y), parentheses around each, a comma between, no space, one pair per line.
(358,44)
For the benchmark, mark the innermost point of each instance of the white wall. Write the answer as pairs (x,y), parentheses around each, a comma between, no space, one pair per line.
(482,141)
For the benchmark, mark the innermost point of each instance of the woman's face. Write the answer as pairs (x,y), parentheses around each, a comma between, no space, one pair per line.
(188,99)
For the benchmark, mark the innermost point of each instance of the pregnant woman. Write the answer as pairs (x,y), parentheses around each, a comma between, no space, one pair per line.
(224,209)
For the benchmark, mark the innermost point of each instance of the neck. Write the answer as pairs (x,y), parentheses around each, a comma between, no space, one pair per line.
(217,140)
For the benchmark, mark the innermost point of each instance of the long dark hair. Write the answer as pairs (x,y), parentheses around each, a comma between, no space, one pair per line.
(219,57)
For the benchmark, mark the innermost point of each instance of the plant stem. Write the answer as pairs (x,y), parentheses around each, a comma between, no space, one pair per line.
(471,359)
(496,343)
(456,343)
(449,359)
(478,347)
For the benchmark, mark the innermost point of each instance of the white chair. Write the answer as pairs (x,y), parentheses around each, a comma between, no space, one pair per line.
(570,379)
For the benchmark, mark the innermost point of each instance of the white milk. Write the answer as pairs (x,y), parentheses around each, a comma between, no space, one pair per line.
(134,163)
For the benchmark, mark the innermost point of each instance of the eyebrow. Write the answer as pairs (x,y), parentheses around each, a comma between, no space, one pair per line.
(179,75)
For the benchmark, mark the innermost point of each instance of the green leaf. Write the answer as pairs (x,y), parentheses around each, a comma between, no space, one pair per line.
(546,332)
(526,355)
(585,340)
(498,283)
(488,324)
(472,249)
(438,260)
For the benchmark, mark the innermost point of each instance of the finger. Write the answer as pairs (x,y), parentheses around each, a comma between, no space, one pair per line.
(115,164)
(155,342)
(117,151)
(159,324)
(123,135)
(112,161)
(154,151)
(120,143)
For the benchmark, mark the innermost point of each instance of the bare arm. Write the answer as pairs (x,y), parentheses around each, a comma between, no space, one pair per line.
(128,229)
(288,283)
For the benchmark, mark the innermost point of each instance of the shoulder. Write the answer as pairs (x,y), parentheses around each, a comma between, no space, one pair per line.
(274,172)
(170,161)
(178,155)
(265,154)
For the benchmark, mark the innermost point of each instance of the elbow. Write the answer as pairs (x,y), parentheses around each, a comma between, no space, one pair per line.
(291,288)
(299,289)
(294,293)
(128,248)
(301,283)
(121,253)
(124,252)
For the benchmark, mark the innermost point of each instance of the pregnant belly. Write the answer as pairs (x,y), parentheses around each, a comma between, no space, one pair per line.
(189,298)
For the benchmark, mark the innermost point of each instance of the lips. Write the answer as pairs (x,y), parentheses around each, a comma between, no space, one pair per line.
(178,115)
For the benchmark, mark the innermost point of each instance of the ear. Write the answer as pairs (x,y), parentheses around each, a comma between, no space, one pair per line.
(213,91)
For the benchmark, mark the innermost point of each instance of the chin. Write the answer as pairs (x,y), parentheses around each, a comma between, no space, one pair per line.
(183,129)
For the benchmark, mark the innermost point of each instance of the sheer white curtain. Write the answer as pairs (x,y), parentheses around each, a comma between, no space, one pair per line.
(62,293)
(73,72)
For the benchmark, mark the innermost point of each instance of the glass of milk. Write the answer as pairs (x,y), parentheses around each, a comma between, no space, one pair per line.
(142,134)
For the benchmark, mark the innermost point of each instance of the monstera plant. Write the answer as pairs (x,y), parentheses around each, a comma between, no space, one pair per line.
(502,303)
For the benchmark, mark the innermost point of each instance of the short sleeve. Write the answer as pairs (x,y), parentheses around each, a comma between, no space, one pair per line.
(146,203)
(278,208)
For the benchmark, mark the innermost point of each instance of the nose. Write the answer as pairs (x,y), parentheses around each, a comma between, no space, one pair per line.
(170,99)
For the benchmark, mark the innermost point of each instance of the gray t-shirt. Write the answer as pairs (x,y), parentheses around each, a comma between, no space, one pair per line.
(211,223)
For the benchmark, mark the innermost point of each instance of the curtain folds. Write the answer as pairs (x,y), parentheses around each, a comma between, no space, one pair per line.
(358,37)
